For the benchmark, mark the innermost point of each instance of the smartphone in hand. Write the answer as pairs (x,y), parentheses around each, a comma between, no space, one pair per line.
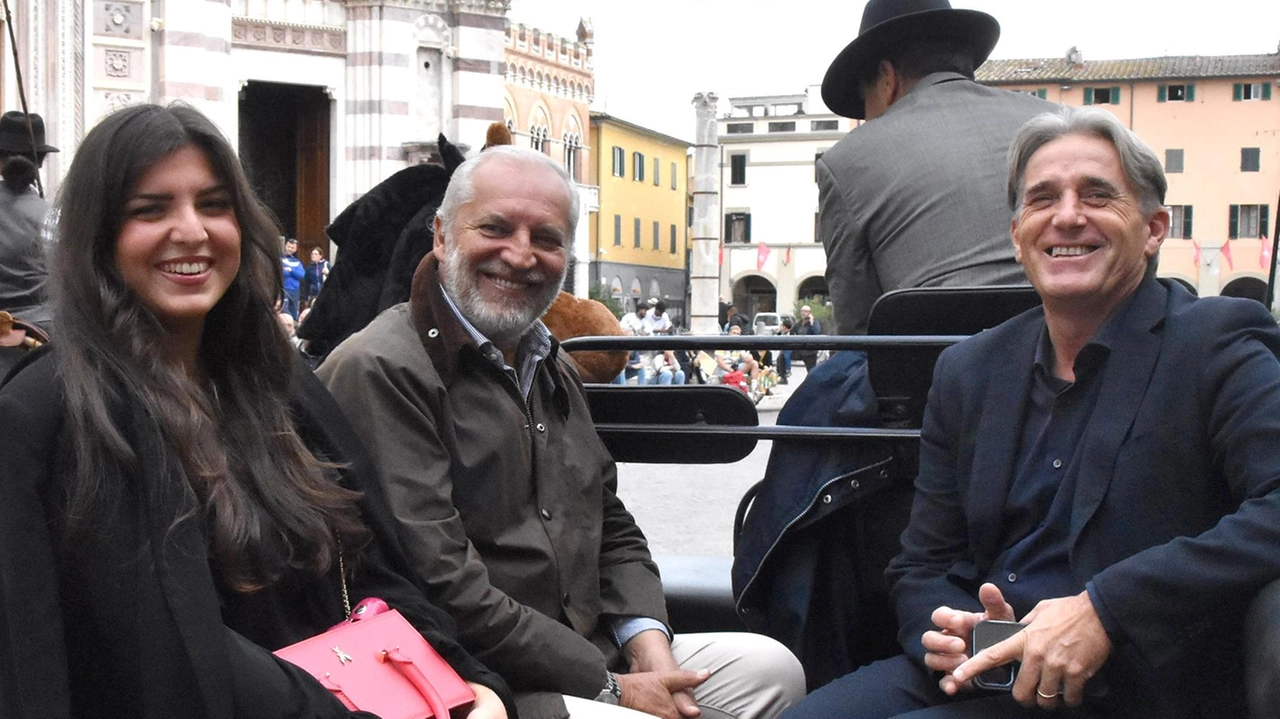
(985,634)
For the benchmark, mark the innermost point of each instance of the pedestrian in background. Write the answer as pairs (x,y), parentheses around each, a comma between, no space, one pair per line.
(294,273)
(22,213)
(317,273)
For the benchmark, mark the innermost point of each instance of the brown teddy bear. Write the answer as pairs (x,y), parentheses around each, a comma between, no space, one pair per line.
(571,316)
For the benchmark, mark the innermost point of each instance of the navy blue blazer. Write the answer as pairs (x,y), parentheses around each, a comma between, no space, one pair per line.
(1176,518)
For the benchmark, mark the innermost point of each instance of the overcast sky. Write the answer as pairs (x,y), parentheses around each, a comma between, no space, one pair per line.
(651,57)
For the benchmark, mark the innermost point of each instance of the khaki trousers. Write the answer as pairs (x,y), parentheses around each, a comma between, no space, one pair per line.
(752,677)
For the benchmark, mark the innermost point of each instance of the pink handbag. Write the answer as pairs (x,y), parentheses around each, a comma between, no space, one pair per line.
(377,662)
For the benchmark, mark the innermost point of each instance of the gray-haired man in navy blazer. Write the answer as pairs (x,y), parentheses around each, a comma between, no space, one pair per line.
(1103,469)
(914,197)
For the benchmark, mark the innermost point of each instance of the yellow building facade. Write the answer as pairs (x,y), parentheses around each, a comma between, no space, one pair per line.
(1215,122)
(639,235)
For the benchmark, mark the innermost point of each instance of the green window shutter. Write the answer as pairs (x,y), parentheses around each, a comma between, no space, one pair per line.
(1042,93)
(1115,95)
(1191,92)
(1186,223)
(1162,93)
(1266,90)
(1263,229)
(1237,92)
(748,238)
(1233,222)
(1088,96)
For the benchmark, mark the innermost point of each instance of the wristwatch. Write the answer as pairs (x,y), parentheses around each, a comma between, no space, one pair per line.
(612,692)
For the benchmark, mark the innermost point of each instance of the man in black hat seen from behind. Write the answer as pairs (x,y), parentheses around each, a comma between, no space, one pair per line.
(914,197)
(22,214)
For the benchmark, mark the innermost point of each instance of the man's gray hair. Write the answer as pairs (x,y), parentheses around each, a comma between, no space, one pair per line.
(462,190)
(1140,164)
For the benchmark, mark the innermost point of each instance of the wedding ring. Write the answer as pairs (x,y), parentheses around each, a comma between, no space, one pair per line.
(1042,695)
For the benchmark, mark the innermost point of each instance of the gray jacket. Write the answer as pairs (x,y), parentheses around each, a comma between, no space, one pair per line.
(22,255)
(916,197)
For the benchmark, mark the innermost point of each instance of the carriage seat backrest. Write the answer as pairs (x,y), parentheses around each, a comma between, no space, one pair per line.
(901,376)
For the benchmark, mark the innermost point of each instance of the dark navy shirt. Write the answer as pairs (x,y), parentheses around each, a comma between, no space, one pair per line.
(1037,510)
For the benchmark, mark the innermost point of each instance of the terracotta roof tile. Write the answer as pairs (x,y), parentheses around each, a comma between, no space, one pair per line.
(1020,71)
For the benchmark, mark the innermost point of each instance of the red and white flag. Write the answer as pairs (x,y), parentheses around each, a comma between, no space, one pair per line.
(786,259)
(1264,257)
(1226,254)
(720,260)
(762,254)
(1195,253)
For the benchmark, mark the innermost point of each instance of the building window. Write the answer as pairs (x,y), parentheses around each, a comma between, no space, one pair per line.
(619,162)
(1248,221)
(637,166)
(572,147)
(1176,93)
(657,237)
(1250,159)
(1039,92)
(637,243)
(617,230)
(655,171)
(1102,95)
(674,180)
(1251,91)
(740,128)
(788,126)
(1173,160)
(737,226)
(674,247)
(737,169)
(538,139)
(823,125)
(1180,222)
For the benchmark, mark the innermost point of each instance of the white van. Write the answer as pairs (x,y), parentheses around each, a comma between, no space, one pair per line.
(767,323)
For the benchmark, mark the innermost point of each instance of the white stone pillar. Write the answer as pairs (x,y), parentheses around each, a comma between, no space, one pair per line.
(192,51)
(704,264)
(381,63)
(478,68)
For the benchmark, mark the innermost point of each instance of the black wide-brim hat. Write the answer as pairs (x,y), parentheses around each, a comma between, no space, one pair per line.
(15,137)
(886,23)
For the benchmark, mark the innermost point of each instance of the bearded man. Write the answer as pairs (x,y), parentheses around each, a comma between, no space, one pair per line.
(503,496)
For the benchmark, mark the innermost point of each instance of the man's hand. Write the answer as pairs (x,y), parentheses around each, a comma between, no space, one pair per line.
(488,705)
(667,694)
(1062,646)
(949,648)
(656,684)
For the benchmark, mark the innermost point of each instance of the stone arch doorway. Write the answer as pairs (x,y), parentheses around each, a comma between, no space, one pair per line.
(753,293)
(814,287)
(1247,287)
(284,145)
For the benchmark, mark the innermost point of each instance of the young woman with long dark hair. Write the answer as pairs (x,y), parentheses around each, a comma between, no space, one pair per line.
(179,494)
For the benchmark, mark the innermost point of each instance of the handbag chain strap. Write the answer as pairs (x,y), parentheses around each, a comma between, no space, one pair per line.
(342,577)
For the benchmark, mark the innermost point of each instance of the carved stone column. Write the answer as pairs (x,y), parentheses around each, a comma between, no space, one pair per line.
(704,263)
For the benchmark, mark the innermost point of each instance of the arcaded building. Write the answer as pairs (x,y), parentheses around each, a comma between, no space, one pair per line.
(549,83)
(1215,121)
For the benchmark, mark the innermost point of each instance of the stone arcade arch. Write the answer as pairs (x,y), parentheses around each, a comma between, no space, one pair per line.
(755,293)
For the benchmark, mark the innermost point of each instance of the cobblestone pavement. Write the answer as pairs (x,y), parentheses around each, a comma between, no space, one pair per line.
(688,509)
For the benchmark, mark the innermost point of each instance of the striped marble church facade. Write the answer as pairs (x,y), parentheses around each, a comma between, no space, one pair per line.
(361,88)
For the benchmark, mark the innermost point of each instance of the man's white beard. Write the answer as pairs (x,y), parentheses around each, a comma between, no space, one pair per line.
(498,322)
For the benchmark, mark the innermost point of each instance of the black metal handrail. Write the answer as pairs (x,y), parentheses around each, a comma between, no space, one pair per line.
(757,342)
